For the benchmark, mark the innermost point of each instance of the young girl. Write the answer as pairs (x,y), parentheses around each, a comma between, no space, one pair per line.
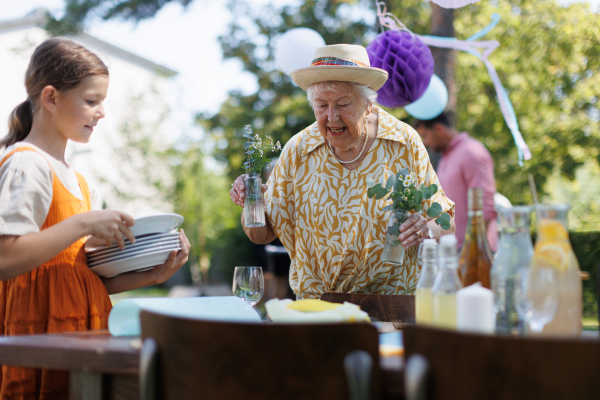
(46,217)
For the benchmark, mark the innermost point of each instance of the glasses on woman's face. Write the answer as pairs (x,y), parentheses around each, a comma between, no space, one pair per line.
(248,284)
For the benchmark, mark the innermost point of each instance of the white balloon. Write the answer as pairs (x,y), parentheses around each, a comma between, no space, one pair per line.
(296,48)
(432,103)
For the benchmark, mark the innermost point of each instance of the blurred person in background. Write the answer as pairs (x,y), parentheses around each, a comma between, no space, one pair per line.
(465,163)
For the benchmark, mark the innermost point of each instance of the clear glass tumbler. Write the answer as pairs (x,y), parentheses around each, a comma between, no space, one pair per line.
(248,284)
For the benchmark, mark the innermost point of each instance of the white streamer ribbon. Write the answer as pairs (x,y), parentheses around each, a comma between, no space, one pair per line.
(481,50)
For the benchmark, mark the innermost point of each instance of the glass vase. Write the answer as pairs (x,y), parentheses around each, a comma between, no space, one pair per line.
(393,251)
(254,209)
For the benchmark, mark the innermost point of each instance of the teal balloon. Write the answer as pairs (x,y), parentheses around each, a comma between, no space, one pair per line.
(432,103)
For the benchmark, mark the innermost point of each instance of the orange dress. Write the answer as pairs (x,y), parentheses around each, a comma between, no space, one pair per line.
(62,295)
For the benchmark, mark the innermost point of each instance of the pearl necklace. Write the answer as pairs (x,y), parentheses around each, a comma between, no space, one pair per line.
(359,154)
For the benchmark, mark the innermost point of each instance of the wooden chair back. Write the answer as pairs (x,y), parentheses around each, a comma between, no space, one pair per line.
(225,360)
(474,367)
(387,308)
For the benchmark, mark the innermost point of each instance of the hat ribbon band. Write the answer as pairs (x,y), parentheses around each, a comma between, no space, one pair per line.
(336,61)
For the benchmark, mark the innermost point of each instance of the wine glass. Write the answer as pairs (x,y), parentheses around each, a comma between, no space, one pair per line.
(248,284)
(537,295)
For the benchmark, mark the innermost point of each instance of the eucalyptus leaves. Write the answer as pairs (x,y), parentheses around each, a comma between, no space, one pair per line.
(257,151)
(402,190)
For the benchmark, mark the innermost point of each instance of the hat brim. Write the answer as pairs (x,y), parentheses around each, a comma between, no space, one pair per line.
(368,76)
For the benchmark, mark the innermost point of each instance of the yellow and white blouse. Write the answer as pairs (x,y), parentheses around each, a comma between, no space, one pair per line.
(332,231)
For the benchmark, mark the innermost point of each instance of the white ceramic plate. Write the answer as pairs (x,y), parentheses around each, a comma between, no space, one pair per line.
(134,253)
(128,250)
(143,261)
(138,241)
(161,223)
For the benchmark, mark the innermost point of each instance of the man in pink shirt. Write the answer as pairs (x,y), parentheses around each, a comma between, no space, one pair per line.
(465,163)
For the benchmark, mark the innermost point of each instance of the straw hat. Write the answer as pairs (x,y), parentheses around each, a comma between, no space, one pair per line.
(341,62)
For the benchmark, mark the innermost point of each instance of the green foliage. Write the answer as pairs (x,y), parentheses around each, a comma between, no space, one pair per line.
(77,11)
(405,196)
(257,151)
(583,194)
(178,177)
(279,108)
(548,61)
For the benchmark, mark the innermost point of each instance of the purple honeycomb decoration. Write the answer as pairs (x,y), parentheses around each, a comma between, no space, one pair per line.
(408,62)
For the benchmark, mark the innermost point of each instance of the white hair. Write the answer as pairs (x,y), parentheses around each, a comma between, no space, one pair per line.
(364,91)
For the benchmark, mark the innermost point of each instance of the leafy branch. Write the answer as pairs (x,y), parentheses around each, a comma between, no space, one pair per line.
(402,190)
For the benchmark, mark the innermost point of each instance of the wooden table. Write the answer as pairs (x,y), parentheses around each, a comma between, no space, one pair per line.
(103,367)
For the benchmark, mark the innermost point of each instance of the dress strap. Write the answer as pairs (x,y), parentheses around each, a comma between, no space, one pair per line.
(18,150)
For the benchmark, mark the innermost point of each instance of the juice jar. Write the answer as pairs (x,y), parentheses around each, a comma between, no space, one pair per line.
(553,249)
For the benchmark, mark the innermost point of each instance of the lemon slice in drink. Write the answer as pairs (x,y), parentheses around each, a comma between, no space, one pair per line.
(312,305)
(552,254)
(550,229)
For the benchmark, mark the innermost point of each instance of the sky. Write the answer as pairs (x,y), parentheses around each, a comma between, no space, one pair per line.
(184,40)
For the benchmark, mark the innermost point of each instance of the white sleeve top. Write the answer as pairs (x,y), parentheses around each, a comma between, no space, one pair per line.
(26,188)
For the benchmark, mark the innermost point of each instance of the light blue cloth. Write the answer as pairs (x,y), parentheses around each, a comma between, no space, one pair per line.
(391,338)
(124,319)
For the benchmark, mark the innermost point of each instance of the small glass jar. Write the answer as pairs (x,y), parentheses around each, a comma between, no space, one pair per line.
(393,251)
(254,209)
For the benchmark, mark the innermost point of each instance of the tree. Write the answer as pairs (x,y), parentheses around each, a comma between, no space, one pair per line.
(279,108)
(77,11)
(548,61)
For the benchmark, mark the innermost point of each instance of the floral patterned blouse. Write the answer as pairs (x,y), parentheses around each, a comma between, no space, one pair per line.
(332,231)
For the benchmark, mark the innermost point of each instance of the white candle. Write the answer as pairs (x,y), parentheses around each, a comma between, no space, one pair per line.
(475,309)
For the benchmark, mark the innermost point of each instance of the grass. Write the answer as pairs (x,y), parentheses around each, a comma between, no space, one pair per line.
(144,292)
(590,324)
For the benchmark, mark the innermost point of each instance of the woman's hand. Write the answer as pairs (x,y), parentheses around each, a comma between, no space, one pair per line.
(238,190)
(413,231)
(176,259)
(109,226)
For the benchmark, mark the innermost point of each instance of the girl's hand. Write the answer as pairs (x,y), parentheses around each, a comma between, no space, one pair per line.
(238,190)
(413,231)
(174,262)
(110,226)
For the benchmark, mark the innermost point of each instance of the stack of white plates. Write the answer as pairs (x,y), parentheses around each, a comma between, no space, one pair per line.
(155,238)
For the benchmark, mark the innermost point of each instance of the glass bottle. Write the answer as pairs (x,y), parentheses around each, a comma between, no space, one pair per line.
(475,257)
(553,249)
(446,284)
(429,268)
(514,252)
(393,251)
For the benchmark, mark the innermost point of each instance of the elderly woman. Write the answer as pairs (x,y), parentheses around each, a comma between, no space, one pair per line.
(316,197)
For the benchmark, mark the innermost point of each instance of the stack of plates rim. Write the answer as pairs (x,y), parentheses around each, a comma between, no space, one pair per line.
(156,237)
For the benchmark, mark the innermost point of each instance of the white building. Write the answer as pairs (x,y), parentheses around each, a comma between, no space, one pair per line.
(136,109)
